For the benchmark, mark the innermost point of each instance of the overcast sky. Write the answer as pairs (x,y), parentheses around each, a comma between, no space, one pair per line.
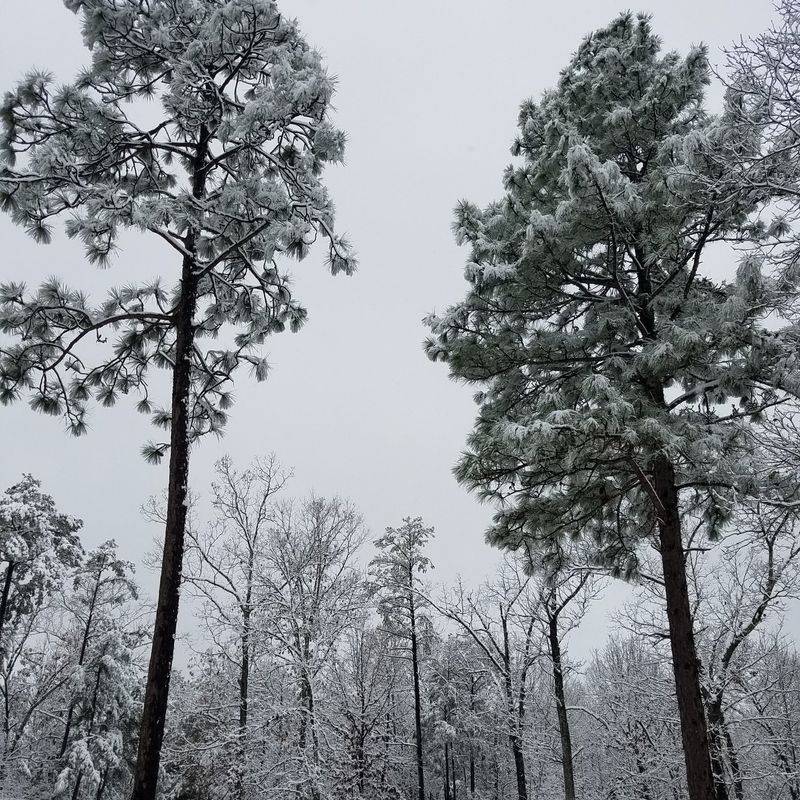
(428,94)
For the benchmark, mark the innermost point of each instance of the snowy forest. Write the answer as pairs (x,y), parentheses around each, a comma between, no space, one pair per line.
(628,329)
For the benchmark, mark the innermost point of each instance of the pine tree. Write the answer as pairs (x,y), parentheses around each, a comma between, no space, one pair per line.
(227,179)
(37,545)
(607,358)
(100,705)
(397,569)
(104,703)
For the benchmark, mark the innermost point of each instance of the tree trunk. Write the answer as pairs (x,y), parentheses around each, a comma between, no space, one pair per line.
(77,789)
(81,657)
(471,772)
(307,725)
(718,765)
(644,787)
(101,786)
(244,698)
(4,600)
(513,717)
(244,681)
(417,698)
(446,772)
(561,710)
(79,777)
(733,758)
(719,745)
(519,768)
(694,731)
(156,695)
(3,612)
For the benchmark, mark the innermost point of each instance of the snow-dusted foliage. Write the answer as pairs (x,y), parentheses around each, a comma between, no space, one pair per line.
(597,338)
(37,545)
(500,707)
(69,678)
(763,108)
(224,171)
(397,573)
(95,747)
(304,681)
(620,384)
(637,419)
(222,167)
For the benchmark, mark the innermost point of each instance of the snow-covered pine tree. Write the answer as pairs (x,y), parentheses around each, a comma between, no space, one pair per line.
(397,571)
(607,358)
(102,716)
(226,177)
(100,705)
(38,544)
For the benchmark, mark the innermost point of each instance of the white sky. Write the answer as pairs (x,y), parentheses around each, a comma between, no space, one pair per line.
(428,94)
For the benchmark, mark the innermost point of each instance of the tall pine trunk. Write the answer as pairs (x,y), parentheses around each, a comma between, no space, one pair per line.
(694,730)
(151,729)
(685,666)
(561,710)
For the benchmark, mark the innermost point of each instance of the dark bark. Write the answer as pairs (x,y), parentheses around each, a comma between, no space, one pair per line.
(471,771)
(664,494)
(79,777)
(151,729)
(81,658)
(4,600)
(77,790)
(644,786)
(722,746)
(446,772)
(694,730)
(307,724)
(514,716)
(561,709)
(244,696)
(718,764)
(101,786)
(733,760)
(244,677)
(519,767)
(417,697)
